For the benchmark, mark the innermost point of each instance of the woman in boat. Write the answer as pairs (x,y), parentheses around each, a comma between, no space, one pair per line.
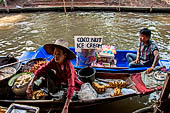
(63,68)
(147,54)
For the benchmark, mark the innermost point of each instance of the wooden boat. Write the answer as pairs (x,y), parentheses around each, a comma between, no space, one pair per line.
(120,56)
(46,105)
(4,61)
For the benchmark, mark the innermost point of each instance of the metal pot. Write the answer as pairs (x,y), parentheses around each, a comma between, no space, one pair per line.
(87,74)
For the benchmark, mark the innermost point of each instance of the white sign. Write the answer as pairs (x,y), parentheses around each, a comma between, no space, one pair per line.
(87,42)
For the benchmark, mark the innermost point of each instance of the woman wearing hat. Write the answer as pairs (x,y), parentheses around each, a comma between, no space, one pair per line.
(64,70)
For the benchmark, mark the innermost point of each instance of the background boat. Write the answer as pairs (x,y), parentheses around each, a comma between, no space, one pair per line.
(121,65)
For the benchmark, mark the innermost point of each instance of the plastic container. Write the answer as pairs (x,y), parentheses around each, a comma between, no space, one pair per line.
(87,74)
(86,57)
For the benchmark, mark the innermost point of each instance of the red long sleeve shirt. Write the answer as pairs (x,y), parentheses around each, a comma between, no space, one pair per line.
(64,73)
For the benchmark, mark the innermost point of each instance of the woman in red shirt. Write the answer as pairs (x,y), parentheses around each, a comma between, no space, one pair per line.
(64,70)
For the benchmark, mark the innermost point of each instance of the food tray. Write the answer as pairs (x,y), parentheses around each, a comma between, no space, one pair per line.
(17,108)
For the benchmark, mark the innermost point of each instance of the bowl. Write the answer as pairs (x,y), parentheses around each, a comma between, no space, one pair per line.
(19,89)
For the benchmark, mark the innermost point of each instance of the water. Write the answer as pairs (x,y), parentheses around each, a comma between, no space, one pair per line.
(119,29)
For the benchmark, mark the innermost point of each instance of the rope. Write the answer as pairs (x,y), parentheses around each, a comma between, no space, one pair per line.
(155,105)
(158,109)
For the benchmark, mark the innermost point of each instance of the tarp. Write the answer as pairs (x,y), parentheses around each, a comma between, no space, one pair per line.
(136,78)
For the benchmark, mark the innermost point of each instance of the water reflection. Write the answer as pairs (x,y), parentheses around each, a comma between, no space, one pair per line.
(119,29)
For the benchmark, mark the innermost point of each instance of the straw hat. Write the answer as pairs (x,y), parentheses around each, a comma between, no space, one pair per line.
(61,44)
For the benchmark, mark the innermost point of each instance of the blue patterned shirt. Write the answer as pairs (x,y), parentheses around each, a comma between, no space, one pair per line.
(146,51)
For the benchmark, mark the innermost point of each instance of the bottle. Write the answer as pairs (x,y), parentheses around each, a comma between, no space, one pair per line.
(39,81)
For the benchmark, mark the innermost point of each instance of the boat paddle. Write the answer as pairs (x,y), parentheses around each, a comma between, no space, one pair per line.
(6,65)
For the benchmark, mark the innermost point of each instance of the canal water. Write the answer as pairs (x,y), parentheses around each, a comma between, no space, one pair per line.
(28,31)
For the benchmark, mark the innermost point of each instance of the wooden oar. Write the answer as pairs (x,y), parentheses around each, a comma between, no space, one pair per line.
(13,63)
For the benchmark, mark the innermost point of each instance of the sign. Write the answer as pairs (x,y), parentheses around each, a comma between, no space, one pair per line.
(87,42)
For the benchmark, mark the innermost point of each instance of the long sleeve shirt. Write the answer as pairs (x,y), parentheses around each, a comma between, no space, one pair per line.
(64,73)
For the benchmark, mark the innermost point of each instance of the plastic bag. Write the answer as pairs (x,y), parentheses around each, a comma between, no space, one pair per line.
(87,92)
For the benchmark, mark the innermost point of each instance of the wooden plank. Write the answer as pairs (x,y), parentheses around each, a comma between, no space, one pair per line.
(162,105)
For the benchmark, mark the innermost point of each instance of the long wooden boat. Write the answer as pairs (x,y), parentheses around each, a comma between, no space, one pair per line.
(120,56)
(46,105)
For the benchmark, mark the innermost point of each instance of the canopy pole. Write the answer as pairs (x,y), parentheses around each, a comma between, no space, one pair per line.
(72,6)
(64,7)
(77,59)
(6,5)
(119,5)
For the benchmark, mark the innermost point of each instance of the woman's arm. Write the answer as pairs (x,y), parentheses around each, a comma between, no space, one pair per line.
(71,84)
(66,105)
(29,90)
(42,70)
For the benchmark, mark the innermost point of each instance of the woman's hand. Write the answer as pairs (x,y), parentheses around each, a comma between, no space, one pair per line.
(67,103)
(29,91)
(65,109)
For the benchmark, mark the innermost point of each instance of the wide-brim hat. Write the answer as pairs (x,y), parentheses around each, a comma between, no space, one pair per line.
(61,44)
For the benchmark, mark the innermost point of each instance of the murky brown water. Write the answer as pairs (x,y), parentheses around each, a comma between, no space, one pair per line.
(119,29)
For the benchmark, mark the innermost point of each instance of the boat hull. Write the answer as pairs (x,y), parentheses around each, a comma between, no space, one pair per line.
(46,105)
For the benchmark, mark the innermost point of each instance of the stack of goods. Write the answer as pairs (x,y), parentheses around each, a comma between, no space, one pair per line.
(22,80)
(86,56)
(37,65)
(99,88)
(33,65)
(106,57)
(39,94)
(117,86)
(3,109)
(7,72)
(107,51)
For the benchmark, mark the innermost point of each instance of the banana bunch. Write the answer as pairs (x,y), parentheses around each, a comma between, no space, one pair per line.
(3,109)
(99,88)
(117,84)
(38,94)
(117,92)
